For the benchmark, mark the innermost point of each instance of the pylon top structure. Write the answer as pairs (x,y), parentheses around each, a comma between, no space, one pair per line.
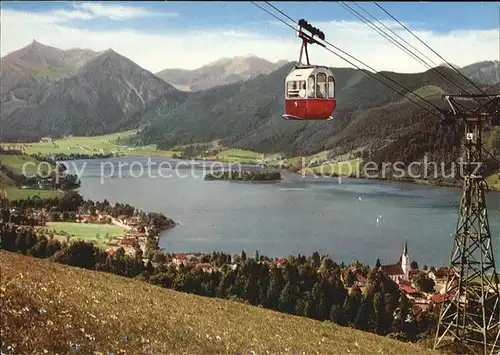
(464,107)
(469,321)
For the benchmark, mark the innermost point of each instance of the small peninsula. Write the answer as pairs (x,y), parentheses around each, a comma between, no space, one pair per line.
(245,175)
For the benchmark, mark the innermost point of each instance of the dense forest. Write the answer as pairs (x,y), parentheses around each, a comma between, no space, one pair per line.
(369,115)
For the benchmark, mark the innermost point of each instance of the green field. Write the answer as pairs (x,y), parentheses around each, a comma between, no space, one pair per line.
(493,182)
(347,167)
(105,144)
(87,231)
(237,156)
(105,313)
(14,193)
(31,165)
(110,144)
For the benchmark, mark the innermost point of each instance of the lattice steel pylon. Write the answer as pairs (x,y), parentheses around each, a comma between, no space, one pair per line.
(469,321)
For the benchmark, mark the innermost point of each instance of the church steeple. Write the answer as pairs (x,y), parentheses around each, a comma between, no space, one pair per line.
(405,261)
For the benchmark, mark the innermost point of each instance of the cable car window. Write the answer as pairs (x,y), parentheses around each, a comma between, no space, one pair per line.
(311,86)
(321,85)
(292,89)
(302,88)
(331,87)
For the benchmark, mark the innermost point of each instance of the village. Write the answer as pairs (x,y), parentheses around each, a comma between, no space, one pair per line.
(402,274)
(135,233)
(100,227)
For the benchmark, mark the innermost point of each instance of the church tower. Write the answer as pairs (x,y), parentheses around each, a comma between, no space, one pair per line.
(405,262)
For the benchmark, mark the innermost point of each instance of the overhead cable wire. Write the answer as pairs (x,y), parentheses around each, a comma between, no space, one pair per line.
(379,31)
(356,66)
(351,56)
(369,23)
(433,51)
(397,43)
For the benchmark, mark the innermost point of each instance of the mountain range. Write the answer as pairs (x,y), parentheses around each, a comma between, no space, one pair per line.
(221,72)
(54,92)
(486,72)
(239,101)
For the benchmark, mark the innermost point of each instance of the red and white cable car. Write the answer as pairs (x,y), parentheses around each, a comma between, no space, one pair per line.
(309,89)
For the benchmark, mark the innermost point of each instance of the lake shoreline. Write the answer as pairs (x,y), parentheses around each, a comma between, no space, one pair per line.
(200,163)
(316,213)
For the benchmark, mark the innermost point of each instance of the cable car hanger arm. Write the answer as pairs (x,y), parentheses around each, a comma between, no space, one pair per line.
(308,39)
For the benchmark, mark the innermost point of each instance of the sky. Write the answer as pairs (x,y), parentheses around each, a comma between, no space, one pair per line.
(190,34)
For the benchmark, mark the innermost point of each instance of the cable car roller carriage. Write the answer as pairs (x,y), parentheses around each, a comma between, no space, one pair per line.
(309,89)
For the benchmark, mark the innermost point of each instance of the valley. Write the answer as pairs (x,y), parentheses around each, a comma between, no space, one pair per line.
(348,241)
(83,109)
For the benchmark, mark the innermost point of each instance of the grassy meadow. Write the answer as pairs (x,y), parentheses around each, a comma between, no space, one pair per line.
(105,144)
(71,310)
(32,166)
(87,231)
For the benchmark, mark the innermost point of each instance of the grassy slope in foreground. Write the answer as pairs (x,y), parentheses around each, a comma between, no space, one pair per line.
(58,305)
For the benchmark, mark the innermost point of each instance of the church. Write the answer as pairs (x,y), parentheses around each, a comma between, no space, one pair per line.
(401,271)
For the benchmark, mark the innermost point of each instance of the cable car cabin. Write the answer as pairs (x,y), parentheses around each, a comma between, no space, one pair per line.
(309,94)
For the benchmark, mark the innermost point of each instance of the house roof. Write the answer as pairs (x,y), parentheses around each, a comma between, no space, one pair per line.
(437,298)
(128,241)
(392,270)
(416,309)
(406,288)
(360,278)
(442,272)
(110,251)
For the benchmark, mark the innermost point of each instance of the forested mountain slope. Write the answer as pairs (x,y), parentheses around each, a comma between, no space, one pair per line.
(107,94)
(248,115)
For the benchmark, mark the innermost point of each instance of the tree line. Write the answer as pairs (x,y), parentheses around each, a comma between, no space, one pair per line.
(245,175)
(72,156)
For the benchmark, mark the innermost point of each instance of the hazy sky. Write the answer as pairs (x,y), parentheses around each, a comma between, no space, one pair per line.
(158,35)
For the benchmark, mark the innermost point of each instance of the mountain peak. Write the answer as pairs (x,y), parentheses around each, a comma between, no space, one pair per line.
(450,65)
(110,54)
(108,51)
(35,43)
